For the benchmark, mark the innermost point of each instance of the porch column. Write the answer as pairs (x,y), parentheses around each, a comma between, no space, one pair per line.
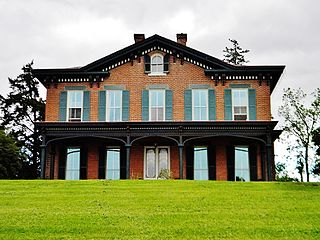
(128,147)
(180,145)
(42,160)
(269,157)
(52,161)
(263,161)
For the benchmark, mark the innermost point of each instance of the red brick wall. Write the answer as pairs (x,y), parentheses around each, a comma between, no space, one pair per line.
(221,163)
(136,162)
(180,77)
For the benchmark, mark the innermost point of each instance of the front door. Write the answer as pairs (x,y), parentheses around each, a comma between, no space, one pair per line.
(156,158)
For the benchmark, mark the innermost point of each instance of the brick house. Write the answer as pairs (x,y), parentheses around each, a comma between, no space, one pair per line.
(158,104)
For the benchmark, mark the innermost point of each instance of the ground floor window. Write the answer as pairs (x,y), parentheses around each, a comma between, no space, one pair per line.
(113,163)
(73,163)
(200,163)
(242,170)
(156,159)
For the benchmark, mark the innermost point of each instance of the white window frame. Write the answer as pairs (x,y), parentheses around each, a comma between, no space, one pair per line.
(157,160)
(161,73)
(68,105)
(193,105)
(194,169)
(164,104)
(73,149)
(246,99)
(108,106)
(113,170)
(235,159)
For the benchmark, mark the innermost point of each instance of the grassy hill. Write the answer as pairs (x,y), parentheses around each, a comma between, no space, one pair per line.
(158,210)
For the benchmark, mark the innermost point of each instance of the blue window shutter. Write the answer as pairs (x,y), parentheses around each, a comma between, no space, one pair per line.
(169,116)
(188,105)
(147,64)
(145,105)
(125,105)
(227,104)
(252,104)
(63,106)
(166,61)
(212,104)
(86,106)
(102,106)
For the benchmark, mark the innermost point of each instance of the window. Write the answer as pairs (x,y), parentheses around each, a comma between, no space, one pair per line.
(114,103)
(200,163)
(157,105)
(113,163)
(156,159)
(73,163)
(242,172)
(200,105)
(157,64)
(240,104)
(75,99)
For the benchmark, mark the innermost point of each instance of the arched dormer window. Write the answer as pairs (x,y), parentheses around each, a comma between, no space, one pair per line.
(157,64)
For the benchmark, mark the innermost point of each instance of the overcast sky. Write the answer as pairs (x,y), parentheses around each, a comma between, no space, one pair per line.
(69,33)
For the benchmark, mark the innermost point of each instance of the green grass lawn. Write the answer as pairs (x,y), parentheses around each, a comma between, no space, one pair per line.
(158,210)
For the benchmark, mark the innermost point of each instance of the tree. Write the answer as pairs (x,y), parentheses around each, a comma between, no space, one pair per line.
(235,54)
(21,109)
(316,141)
(11,160)
(300,120)
(282,173)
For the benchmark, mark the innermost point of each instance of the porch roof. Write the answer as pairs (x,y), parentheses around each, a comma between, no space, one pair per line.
(176,129)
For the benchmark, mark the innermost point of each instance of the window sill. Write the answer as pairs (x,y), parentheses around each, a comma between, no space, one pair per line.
(157,74)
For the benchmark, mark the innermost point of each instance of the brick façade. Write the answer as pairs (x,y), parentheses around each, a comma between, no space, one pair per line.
(180,77)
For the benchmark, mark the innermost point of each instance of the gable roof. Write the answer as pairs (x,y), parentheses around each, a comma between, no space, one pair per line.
(214,67)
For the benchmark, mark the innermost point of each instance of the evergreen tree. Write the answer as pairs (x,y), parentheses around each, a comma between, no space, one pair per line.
(21,108)
(235,54)
(11,160)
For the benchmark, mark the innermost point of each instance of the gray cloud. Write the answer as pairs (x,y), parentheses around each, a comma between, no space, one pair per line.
(69,33)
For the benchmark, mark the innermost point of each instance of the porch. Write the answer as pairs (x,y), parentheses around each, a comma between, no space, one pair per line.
(190,150)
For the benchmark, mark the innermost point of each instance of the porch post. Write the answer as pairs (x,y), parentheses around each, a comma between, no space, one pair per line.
(42,157)
(263,161)
(181,160)
(269,153)
(52,161)
(128,146)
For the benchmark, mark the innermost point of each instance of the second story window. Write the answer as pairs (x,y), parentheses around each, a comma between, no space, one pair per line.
(240,104)
(157,64)
(200,104)
(157,105)
(114,105)
(75,103)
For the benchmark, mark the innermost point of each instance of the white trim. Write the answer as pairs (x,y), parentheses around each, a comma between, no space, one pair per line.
(247,102)
(192,103)
(157,74)
(68,104)
(157,160)
(108,107)
(164,104)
